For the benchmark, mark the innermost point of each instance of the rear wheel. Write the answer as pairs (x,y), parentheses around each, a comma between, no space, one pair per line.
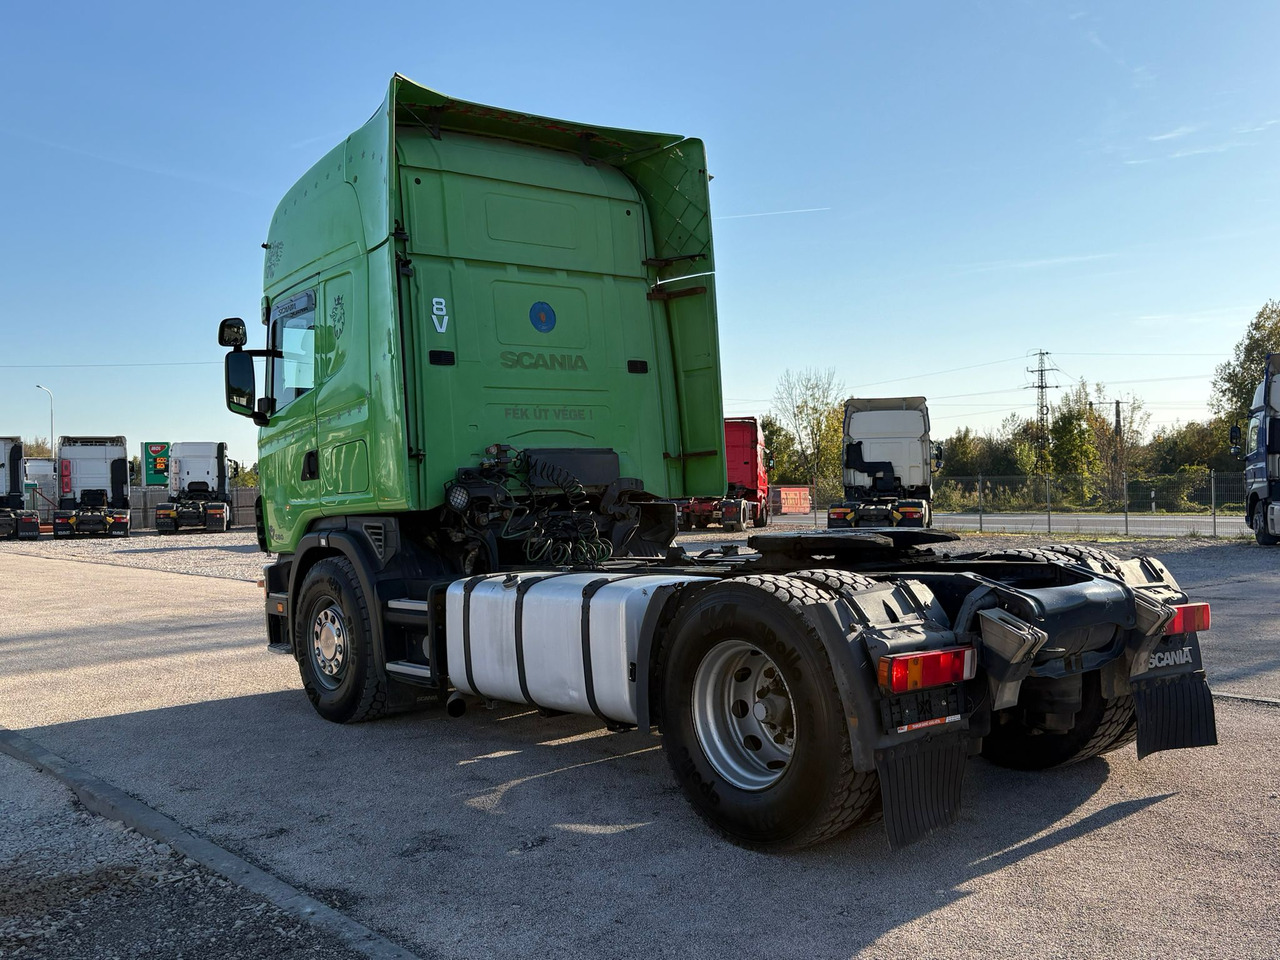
(752,721)
(334,642)
(1101,725)
(761,518)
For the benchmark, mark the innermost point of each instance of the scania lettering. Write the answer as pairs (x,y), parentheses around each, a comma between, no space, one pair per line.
(541,361)
(434,550)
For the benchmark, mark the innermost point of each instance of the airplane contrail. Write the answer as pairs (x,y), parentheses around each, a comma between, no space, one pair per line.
(771,213)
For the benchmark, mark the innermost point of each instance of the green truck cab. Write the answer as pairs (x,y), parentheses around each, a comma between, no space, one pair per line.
(456,284)
(491,370)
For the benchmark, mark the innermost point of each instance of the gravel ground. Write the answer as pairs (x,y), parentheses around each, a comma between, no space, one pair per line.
(74,886)
(233,555)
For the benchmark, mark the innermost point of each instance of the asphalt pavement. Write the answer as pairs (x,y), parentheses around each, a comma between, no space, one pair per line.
(505,834)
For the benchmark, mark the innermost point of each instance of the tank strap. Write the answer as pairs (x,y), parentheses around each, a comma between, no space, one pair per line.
(521,589)
(467,589)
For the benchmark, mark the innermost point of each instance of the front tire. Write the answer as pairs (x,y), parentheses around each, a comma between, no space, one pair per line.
(752,721)
(333,640)
(1260,533)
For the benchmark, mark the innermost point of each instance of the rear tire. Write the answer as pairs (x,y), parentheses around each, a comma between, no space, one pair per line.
(1101,725)
(333,640)
(775,773)
(761,518)
(1099,561)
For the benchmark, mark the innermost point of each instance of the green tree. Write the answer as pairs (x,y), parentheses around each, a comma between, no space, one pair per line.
(1072,450)
(782,447)
(1194,444)
(809,406)
(247,477)
(1235,380)
(36,447)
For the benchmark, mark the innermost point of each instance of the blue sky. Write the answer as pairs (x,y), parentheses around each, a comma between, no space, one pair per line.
(977,181)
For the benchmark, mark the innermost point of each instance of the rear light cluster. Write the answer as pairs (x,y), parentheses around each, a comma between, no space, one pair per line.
(1188,618)
(904,672)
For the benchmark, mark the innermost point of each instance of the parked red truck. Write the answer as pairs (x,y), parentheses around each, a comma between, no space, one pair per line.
(747,500)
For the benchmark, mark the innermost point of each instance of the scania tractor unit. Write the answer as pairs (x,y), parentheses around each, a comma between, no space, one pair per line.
(747,501)
(888,465)
(491,365)
(1260,448)
(17,522)
(93,487)
(199,491)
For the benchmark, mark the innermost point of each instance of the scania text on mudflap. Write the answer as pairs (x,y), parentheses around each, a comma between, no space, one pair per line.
(199,476)
(453,528)
(93,487)
(888,464)
(17,520)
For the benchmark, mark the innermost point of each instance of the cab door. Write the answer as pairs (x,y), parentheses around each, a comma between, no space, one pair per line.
(342,395)
(289,460)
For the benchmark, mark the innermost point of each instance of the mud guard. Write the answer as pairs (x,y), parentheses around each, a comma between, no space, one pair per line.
(920,784)
(1172,700)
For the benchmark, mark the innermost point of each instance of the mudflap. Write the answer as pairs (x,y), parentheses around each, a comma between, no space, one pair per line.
(1174,712)
(1172,700)
(920,784)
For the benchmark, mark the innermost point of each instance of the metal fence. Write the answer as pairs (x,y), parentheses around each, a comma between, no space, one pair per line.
(1197,502)
(144,500)
(1191,502)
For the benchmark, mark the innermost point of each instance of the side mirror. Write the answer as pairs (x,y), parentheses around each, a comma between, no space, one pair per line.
(1235,436)
(231,333)
(241,384)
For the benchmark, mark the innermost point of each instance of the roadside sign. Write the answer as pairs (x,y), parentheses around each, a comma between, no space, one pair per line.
(155,464)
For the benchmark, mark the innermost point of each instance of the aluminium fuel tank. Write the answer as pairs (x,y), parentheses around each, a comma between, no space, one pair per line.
(561,641)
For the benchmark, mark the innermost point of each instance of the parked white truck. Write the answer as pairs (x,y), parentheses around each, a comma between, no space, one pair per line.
(93,487)
(1260,449)
(888,464)
(199,489)
(16,521)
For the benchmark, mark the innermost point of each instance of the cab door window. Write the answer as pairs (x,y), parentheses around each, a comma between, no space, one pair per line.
(1251,444)
(293,333)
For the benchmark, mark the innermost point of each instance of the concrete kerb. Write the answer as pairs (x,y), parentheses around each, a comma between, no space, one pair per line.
(101,798)
(1243,698)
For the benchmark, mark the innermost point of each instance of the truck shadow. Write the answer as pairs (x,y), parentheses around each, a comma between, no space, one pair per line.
(552,831)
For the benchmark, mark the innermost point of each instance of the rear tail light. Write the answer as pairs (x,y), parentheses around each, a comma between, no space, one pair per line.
(904,672)
(1188,618)
(66,476)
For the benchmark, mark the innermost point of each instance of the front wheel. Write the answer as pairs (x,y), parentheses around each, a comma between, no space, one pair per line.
(1260,533)
(333,641)
(752,721)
